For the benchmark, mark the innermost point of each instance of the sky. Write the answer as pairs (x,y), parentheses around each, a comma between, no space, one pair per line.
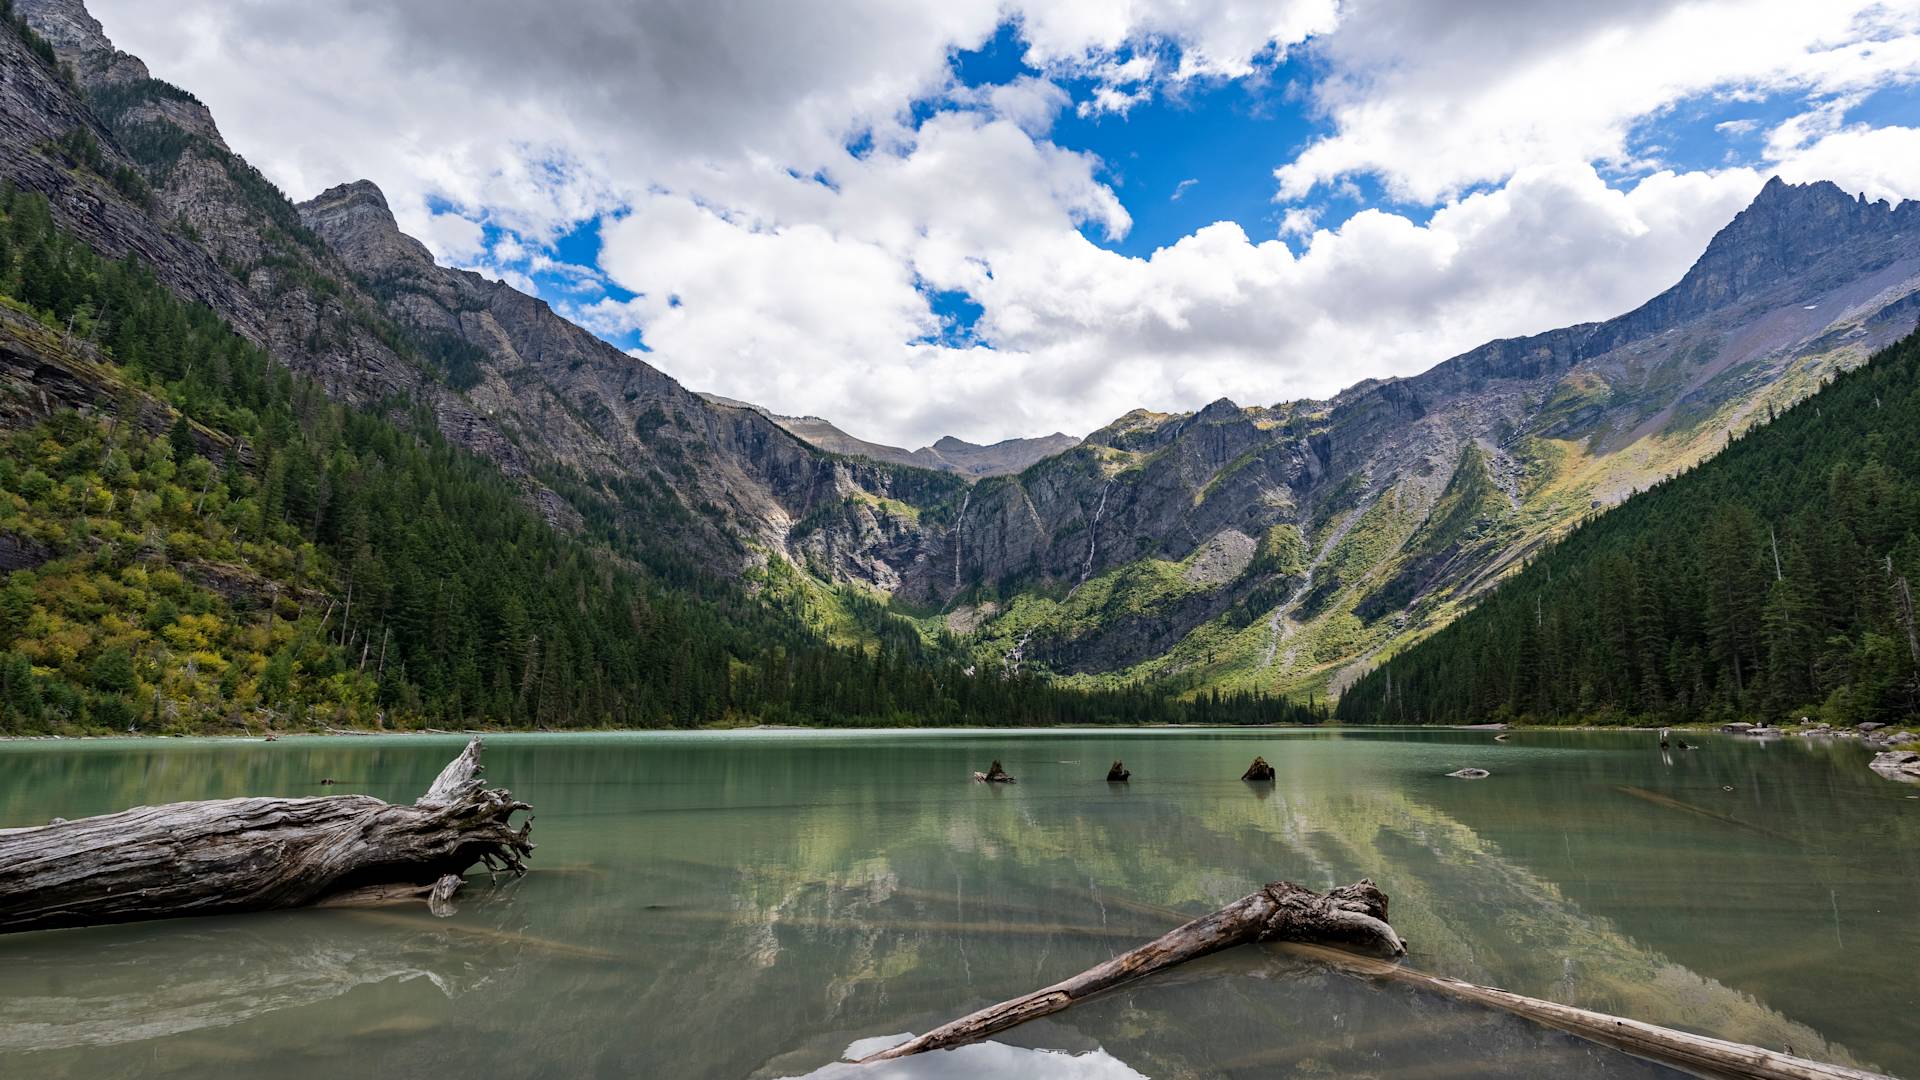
(995,218)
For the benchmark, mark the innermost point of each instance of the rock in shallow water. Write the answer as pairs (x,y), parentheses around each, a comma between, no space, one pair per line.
(1470,774)
(1897,765)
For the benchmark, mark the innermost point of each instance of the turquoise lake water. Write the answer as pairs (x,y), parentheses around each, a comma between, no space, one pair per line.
(752,904)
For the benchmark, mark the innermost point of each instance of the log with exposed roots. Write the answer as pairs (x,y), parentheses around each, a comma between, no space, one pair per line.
(223,856)
(1352,916)
(1347,929)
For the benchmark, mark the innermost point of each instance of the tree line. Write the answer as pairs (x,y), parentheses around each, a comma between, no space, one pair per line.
(1772,582)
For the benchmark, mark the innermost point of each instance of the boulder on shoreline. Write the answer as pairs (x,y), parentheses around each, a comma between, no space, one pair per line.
(1897,765)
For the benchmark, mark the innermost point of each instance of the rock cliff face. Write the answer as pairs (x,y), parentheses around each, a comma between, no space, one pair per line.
(214,228)
(1273,546)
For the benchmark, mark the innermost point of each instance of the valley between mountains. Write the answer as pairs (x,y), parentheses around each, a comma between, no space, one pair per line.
(1284,547)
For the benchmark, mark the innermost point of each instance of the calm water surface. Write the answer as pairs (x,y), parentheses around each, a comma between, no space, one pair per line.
(751,904)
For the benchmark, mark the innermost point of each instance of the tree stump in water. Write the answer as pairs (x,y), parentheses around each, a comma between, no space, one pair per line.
(1117,774)
(994,775)
(224,856)
(1259,770)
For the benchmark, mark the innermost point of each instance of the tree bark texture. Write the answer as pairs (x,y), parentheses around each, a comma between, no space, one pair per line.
(232,855)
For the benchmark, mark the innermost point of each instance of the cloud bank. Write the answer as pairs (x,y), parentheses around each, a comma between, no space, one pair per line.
(787,191)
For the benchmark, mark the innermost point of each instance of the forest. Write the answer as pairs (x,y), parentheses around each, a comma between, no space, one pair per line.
(269,558)
(1773,582)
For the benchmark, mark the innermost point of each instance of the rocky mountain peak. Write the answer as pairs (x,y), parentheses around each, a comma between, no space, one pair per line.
(1218,410)
(1788,231)
(66,24)
(357,191)
(82,43)
(359,225)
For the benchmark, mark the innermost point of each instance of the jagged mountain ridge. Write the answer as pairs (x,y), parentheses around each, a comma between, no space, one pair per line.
(947,454)
(1279,546)
(1399,500)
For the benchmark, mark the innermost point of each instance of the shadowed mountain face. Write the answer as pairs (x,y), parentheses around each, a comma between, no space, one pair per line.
(1278,546)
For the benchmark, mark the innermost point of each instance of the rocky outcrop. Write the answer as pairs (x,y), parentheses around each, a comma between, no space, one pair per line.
(1897,765)
(217,232)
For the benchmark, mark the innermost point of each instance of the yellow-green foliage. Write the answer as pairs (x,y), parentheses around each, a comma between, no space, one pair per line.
(1282,551)
(124,625)
(844,616)
(891,507)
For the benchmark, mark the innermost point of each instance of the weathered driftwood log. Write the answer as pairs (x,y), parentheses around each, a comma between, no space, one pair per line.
(1697,1054)
(231,855)
(1118,773)
(1352,916)
(1340,929)
(1259,770)
(994,775)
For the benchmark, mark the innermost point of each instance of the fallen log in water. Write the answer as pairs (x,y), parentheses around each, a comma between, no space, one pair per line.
(1696,1054)
(1352,915)
(1352,919)
(231,855)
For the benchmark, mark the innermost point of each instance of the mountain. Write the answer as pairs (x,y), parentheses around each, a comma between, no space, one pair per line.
(1773,583)
(1273,547)
(948,454)
(270,465)
(1285,546)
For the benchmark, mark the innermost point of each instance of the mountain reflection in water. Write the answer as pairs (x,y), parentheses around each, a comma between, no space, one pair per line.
(749,904)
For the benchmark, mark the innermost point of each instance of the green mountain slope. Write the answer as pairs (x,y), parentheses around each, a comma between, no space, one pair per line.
(1772,582)
(199,539)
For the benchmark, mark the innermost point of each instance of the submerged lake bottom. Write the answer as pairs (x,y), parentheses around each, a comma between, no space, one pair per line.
(753,904)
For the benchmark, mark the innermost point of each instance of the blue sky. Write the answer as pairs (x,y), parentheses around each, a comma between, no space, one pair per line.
(1000,217)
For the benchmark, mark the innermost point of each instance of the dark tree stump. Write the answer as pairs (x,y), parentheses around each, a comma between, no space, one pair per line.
(1259,770)
(994,775)
(1118,774)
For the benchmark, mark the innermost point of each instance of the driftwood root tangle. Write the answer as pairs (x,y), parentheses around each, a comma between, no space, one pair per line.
(1259,770)
(1347,929)
(1352,916)
(225,856)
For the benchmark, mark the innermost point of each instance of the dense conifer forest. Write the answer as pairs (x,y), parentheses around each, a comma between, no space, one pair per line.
(1773,582)
(262,556)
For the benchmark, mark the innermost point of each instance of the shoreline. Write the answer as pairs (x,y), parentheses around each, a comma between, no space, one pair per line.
(339,733)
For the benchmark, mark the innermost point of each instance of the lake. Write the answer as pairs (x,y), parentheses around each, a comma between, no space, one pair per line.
(750,904)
